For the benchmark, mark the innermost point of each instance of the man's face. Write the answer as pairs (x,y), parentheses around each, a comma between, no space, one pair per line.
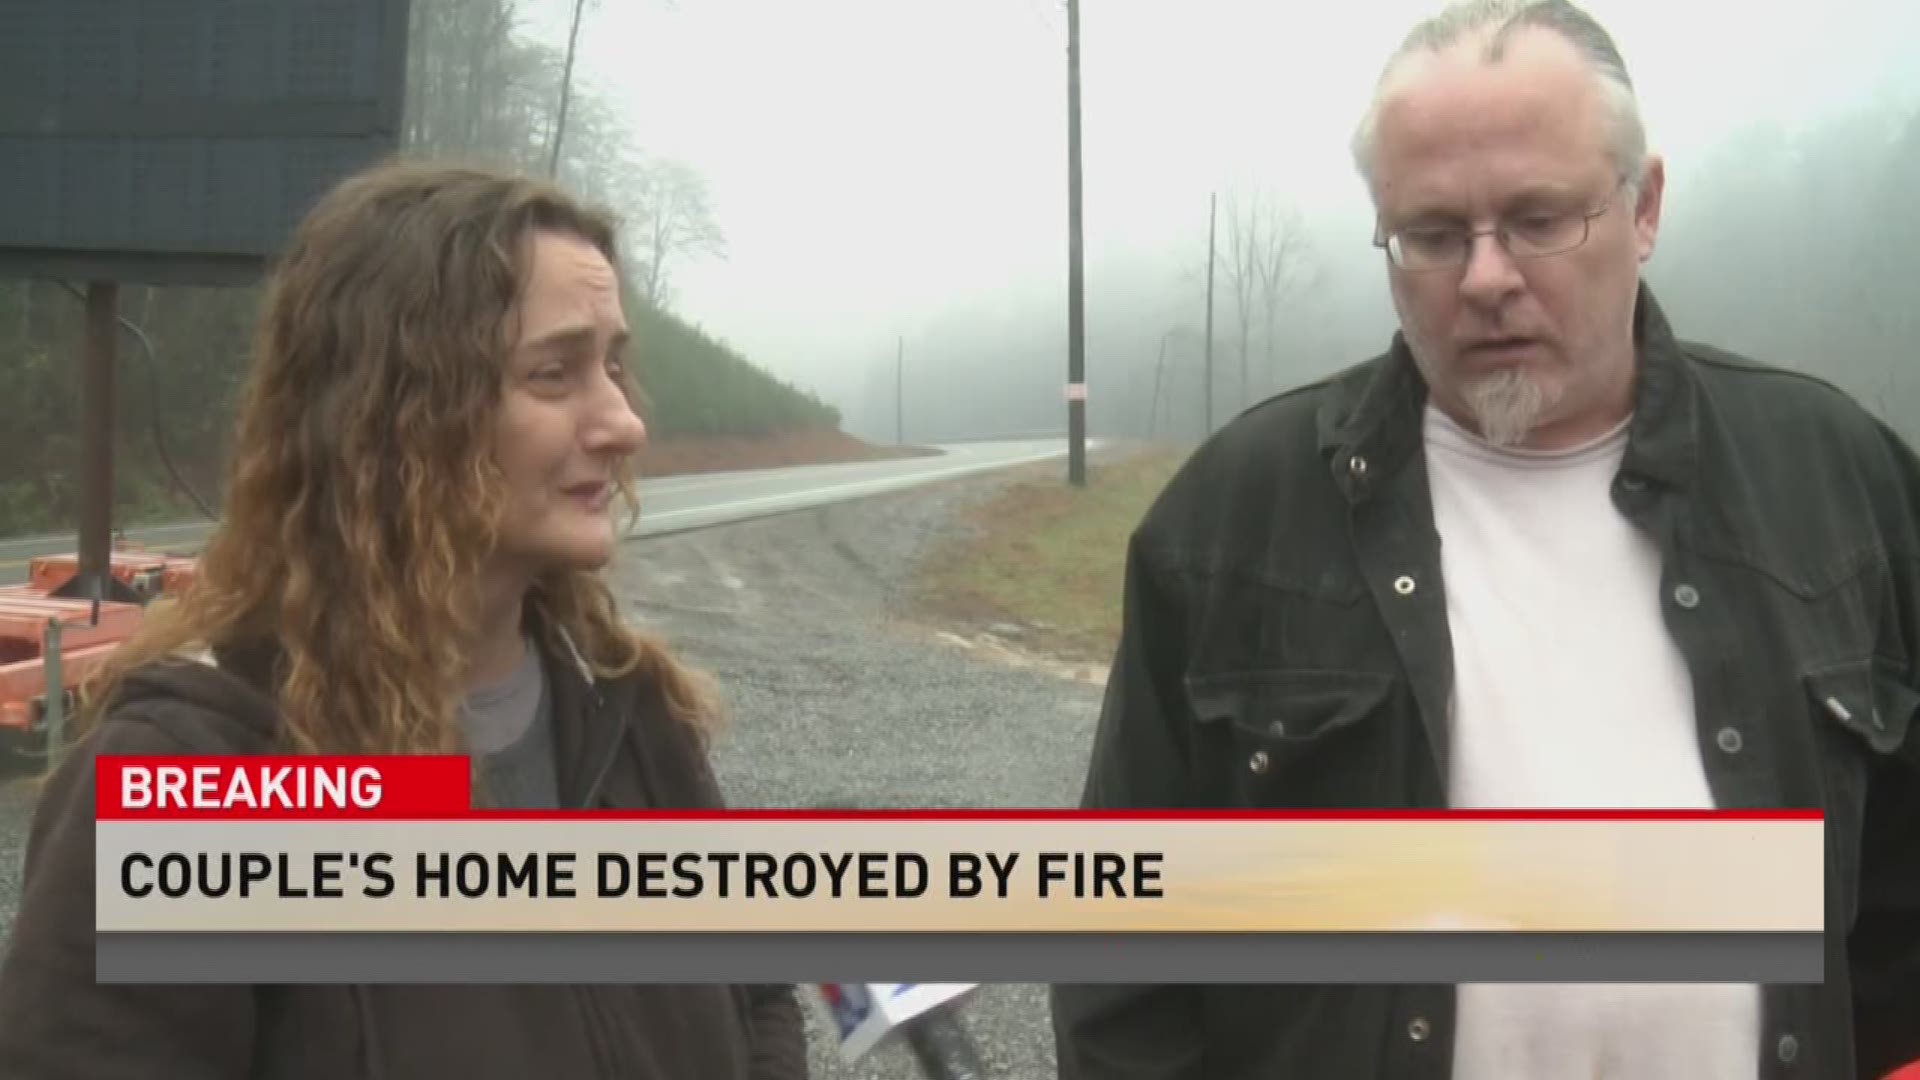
(1529,351)
(565,422)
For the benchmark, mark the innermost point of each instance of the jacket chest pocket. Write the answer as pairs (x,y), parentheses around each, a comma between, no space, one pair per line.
(1867,710)
(1862,714)
(1293,738)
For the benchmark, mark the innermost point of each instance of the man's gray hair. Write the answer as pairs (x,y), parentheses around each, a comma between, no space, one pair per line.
(1500,20)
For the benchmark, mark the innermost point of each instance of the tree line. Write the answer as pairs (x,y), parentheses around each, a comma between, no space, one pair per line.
(1794,242)
(479,91)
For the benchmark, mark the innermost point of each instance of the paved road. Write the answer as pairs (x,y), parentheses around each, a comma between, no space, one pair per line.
(678,503)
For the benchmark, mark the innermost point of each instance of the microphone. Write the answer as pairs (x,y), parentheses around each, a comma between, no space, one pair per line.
(927,1016)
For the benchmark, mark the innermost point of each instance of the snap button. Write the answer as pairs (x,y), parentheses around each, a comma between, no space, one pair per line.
(1357,465)
(1403,585)
(1686,596)
(1730,740)
(1788,1049)
(1259,762)
(1419,1029)
(1277,729)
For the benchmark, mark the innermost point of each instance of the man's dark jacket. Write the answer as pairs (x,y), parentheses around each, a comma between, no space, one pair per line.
(616,747)
(1270,582)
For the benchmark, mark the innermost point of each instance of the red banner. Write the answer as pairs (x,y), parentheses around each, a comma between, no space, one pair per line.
(440,787)
(282,787)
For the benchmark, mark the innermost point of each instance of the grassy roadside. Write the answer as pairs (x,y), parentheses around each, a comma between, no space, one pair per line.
(1041,563)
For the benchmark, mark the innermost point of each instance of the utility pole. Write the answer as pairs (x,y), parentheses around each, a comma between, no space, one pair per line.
(899,393)
(96,452)
(1212,200)
(1076,278)
(566,93)
(1159,376)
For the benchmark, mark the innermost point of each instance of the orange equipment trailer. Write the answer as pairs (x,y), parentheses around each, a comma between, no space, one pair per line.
(26,616)
(54,641)
(148,574)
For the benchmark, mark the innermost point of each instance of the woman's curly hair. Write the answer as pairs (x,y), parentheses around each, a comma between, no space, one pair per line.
(363,497)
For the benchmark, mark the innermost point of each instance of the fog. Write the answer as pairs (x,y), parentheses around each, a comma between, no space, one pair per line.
(891,175)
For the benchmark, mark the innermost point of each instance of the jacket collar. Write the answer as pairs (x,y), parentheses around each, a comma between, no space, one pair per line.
(1374,429)
(590,716)
(565,639)
(1663,440)
(256,659)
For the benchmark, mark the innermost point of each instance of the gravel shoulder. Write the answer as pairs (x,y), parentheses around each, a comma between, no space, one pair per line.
(17,795)
(841,694)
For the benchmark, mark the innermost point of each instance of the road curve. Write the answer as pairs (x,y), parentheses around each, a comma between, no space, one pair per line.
(675,504)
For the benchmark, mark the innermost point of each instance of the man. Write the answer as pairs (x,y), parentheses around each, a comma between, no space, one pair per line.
(1540,553)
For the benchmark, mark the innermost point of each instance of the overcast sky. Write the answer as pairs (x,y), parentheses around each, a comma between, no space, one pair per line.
(875,163)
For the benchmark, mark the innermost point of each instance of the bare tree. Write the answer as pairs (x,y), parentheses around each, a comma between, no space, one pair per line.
(1265,261)
(477,90)
(1281,269)
(566,92)
(601,159)
(673,218)
(1241,256)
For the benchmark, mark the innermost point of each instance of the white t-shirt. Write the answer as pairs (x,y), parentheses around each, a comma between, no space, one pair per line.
(1569,692)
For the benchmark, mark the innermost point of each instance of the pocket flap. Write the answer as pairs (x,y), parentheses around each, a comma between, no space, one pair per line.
(1288,705)
(1866,699)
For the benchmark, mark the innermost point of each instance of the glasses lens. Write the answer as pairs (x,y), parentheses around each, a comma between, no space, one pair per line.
(1427,249)
(1545,234)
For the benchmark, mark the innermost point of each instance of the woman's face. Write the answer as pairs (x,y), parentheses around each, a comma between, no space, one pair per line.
(565,422)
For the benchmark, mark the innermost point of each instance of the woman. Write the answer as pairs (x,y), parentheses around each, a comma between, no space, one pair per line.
(435,427)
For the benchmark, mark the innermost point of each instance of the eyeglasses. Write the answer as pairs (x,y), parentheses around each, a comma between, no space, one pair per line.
(1532,234)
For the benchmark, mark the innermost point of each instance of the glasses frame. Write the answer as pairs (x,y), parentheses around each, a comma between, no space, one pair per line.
(1384,240)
